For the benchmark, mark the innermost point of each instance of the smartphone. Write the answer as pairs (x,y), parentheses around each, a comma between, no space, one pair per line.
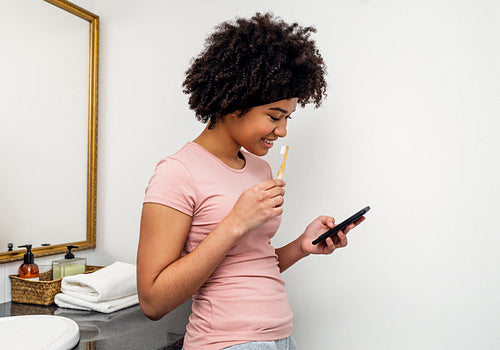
(342,225)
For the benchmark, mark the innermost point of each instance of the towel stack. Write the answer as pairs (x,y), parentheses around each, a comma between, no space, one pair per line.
(107,290)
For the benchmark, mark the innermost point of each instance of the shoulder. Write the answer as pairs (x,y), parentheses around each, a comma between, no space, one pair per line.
(183,159)
(175,167)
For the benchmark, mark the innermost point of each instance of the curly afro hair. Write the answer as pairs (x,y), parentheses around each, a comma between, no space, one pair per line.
(252,62)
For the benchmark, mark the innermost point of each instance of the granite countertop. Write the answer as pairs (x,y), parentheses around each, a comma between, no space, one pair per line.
(121,330)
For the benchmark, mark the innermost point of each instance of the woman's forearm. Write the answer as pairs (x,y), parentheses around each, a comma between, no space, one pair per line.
(162,289)
(290,254)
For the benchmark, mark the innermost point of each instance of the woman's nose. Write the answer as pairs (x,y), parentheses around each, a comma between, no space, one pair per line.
(280,130)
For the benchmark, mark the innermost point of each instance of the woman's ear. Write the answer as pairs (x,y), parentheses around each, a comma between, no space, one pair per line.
(235,115)
(240,112)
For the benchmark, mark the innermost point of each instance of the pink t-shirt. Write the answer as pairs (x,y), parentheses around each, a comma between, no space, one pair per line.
(244,299)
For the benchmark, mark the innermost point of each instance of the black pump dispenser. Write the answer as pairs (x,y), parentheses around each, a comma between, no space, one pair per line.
(29,257)
(69,254)
(28,270)
(68,266)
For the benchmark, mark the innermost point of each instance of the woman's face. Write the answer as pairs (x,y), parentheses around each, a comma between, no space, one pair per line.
(257,130)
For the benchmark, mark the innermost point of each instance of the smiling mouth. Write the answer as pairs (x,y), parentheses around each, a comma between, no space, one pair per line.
(269,142)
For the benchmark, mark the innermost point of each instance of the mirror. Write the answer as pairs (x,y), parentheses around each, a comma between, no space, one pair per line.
(49,127)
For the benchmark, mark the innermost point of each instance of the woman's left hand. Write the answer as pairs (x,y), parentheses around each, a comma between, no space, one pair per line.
(319,226)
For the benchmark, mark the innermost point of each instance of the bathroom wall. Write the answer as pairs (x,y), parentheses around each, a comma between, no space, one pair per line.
(410,128)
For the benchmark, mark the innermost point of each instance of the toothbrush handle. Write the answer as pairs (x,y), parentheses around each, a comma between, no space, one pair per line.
(282,167)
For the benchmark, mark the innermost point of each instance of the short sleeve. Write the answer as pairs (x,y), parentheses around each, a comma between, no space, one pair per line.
(172,185)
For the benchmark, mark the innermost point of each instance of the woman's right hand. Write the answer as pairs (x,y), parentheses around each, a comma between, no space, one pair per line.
(256,205)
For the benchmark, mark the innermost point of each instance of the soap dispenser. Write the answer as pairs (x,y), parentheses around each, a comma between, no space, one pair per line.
(68,266)
(28,270)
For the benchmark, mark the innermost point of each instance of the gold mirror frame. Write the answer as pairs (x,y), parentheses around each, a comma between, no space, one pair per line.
(90,241)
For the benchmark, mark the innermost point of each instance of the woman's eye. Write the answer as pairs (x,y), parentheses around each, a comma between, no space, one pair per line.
(277,119)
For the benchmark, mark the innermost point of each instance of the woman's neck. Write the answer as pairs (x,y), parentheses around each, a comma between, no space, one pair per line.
(217,142)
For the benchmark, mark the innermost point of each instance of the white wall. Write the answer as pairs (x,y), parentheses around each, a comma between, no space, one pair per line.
(410,128)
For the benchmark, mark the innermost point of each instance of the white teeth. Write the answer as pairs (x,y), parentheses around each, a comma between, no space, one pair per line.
(268,141)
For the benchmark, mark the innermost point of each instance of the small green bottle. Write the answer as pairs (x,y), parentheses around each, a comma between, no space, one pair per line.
(68,266)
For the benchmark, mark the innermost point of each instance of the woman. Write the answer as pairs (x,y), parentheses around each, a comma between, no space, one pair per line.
(212,208)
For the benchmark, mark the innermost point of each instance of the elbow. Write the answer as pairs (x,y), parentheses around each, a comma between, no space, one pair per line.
(155,304)
(151,315)
(151,310)
(151,307)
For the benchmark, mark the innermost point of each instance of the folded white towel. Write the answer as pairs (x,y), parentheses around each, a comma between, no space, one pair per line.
(107,306)
(114,281)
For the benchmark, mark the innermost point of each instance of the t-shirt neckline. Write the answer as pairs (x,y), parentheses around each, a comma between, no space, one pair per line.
(245,158)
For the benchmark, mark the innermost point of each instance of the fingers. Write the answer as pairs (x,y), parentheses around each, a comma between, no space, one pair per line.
(273,191)
(353,225)
(277,201)
(359,221)
(269,184)
(324,221)
(329,221)
(348,228)
(336,241)
(268,194)
(330,246)
(342,239)
(276,192)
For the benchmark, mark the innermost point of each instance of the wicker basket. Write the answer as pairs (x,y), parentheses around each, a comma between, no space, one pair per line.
(40,292)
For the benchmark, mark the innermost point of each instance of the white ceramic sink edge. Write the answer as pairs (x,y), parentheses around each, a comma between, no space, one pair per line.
(44,332)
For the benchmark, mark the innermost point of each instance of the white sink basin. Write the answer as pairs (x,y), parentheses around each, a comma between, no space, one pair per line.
(44,332)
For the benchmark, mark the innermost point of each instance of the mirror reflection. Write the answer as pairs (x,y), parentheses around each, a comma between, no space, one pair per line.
(48,134)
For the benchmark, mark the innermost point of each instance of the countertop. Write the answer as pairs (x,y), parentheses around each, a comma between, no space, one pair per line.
(121,330)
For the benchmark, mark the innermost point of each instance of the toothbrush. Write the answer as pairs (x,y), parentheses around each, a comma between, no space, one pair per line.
(284,150)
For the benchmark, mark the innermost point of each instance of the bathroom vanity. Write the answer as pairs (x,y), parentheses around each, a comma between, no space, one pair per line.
(120,330)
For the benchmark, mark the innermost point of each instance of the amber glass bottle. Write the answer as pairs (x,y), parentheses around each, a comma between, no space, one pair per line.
(28,270)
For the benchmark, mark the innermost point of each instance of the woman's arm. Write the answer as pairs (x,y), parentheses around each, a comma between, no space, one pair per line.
(302,246)
(164,279)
